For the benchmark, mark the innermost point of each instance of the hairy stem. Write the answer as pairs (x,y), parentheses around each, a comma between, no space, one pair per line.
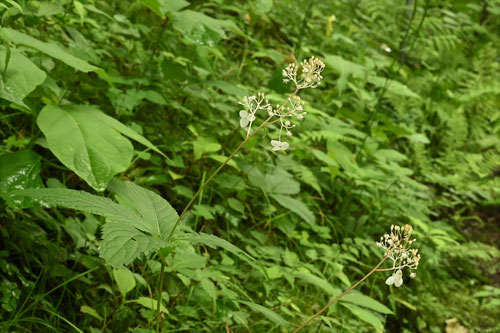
(229,158)
(340,296)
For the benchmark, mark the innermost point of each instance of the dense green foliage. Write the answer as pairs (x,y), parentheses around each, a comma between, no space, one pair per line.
(404,128)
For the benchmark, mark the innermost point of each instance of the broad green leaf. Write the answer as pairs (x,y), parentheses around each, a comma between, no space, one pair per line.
(173,5)
(20,78)
(50,49)
(85,144)
(189,260)
(263,6)
(317,281)
(124,279)
(204,145)
(123,243)
(125,236)
(157,215)
(200,28)
(19,170)
(277,182)
(88,142)
(366,301)
(268,313)
(154,5)
(296,206)
(149,303)
(365,316)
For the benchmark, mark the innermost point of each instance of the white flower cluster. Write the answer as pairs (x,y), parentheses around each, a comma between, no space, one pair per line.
(252,104)
(397,246)
(310,76)
(296,109)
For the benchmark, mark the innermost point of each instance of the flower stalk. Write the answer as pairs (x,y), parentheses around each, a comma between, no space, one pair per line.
(397,245)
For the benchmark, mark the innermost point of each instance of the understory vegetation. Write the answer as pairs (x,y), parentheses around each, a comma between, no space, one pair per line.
(150,180)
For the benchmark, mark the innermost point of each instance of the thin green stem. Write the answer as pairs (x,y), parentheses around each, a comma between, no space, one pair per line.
(229,158)
(159,291)
(340,296)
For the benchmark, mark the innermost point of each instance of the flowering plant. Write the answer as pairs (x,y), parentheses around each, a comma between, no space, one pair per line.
(310,77)
(397,246)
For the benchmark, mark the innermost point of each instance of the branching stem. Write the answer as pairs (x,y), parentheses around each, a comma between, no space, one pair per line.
(229,158)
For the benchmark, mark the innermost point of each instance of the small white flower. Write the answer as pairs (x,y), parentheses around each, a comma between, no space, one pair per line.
(246,118)
(412,275)
(396,279)
(278,145)
(288,133)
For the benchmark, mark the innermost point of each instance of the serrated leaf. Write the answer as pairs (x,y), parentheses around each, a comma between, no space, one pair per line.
(80,200)
(125,236)
(296,206)
(123,243)
(268,313)
(214,242)
(157,215)
(366,301)
(88,142)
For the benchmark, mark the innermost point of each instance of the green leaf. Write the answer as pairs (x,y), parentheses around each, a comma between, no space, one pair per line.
(149,303)
(125,236)
(123,243)
(49,49)
(215,242)
(200,28)
(365,316)
(80,10)
(263,6)
(295,206)
(268,313)
(366,301)
(393,86)
(209,287)
(317,281)
(80,200)
(124,279)
(90,311)
(157,215)
(88,142)
(236,205)
(20,78)
(19,170)
(204,145)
